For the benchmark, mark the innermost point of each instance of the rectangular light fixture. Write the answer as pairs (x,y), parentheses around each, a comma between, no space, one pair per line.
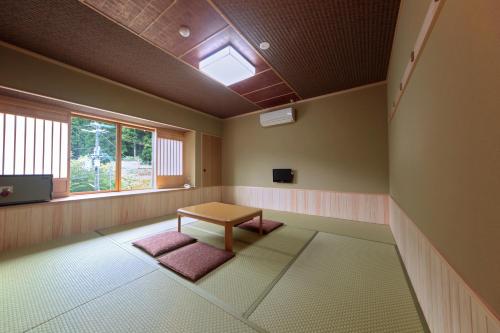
(227,66)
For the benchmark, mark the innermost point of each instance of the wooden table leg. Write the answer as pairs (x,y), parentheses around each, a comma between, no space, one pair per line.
(228,237)
(260,223)
(179,222)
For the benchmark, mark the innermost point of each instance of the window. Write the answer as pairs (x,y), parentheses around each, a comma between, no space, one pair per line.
(30,145)
(110,156)
(84,153)
(93,155)
(136,159)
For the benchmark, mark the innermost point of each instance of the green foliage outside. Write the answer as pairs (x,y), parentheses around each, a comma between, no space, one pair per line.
(137,144)
(137,153)
(83,138)
(83,175)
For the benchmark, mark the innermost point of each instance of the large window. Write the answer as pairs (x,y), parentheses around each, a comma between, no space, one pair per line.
(136,159)
(87,154)
(96,163)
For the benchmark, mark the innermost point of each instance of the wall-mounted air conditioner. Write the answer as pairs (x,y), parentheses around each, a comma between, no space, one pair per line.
(278,117)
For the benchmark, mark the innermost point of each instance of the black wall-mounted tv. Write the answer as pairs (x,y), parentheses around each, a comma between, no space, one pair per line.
(282,175)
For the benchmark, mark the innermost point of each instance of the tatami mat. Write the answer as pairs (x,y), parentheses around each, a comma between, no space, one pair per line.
(142,229)
(291,280)
(244,279)
(153,303)
(44,281)
(286,239)
(341,284)
(362,230)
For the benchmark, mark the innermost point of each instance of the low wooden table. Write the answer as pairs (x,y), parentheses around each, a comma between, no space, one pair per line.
(221,214)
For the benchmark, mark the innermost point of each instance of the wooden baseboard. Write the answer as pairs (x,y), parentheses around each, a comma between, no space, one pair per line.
(448,303)
(350,206)
(25,225)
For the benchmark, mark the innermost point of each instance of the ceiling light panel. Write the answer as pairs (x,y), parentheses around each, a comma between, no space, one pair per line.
(227,66)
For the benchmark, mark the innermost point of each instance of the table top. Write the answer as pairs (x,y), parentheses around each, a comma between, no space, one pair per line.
(220,212)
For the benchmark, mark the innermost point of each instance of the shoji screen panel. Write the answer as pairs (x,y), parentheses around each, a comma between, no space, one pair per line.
(170,155)
(34,139)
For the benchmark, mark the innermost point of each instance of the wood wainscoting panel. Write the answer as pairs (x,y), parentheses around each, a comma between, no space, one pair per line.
(363,207)
(447,302)
(24,225)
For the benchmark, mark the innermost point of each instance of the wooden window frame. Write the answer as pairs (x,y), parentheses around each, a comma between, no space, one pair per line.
(118,158)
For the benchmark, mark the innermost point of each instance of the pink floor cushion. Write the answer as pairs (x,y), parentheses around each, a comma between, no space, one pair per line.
(267,225)
(195,260)
(164,242)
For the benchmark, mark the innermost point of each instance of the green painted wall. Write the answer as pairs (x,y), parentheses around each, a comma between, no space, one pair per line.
(338,143)
(445,141)
(35,74)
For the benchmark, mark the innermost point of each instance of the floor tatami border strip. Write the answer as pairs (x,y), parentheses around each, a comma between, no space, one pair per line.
(91,300)
(252,308)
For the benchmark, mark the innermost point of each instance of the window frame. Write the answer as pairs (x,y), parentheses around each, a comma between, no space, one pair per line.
(118,153)
(153,156)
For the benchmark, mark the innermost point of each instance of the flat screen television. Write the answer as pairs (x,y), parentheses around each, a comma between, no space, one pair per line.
(282,175)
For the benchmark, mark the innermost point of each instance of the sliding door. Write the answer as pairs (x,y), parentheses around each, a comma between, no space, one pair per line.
(211,160)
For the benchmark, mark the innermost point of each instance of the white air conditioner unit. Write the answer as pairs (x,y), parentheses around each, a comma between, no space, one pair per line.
(278,117)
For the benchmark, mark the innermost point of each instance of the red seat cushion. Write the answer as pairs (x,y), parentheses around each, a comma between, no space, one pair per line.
(267,225)
(195,260)
(164,242)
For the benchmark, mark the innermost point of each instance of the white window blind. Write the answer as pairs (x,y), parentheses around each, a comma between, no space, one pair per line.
(169,157)
(30,146)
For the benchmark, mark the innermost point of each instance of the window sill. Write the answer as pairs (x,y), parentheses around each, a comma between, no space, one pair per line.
(75,196)
(94,196)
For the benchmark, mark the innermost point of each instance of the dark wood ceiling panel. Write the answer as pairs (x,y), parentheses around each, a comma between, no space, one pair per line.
(319,46)
(149,13)
(220,40)
(279,100)
(269,92)
(70,32)
(123,11)
(162,30)
(259,81)
(134,14)
(96,3)
(198,15)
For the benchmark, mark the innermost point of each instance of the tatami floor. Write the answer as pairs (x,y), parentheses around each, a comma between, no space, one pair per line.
(313,275)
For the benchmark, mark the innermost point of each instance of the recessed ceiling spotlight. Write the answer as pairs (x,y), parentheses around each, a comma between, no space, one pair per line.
(264,45)
(184,31)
